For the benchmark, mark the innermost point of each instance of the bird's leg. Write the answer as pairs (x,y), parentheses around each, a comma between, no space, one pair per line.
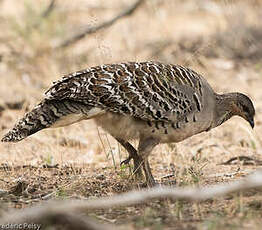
(132,155)
(145,147)
(150,181)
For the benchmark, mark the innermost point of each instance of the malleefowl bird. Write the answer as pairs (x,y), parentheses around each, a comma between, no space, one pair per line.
(149,101)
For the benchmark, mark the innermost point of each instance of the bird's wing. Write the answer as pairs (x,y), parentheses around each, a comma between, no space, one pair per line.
(149,90)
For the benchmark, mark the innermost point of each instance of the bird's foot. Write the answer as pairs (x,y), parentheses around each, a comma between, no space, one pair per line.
(126,161)
(137,165)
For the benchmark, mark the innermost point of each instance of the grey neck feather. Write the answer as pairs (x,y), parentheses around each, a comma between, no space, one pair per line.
(224,108)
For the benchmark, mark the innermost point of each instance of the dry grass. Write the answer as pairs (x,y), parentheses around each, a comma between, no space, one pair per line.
(229,56)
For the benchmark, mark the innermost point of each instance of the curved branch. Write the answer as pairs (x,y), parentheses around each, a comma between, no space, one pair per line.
(133,198)
(90,30)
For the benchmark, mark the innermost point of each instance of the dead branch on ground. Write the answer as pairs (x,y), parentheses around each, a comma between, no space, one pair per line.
(52,209)
(90,30)
(244,160)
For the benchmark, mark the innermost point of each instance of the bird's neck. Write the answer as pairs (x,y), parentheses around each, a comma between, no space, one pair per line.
(225,108)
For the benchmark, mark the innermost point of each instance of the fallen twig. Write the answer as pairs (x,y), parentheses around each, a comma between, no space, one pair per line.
(47,166)
(90,30)
(245,160)
(133,198)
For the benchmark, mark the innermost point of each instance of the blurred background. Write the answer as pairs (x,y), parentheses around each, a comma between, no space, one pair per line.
(42,40)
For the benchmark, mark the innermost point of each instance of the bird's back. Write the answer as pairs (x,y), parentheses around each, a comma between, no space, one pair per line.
(147,90)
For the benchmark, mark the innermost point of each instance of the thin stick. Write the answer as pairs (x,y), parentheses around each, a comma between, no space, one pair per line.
(90,30)
(253,181)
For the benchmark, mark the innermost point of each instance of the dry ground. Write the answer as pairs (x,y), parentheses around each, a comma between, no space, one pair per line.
(220,39)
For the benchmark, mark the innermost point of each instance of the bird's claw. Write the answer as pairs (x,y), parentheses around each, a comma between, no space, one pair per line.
(126,161)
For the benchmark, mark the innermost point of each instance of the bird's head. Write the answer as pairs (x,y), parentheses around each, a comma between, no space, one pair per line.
(243,107)
(233,104)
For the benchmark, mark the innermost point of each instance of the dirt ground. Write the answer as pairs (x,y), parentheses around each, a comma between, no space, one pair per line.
(219,39)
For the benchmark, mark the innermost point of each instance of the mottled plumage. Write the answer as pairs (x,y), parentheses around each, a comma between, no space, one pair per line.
(149,91)
(150,101)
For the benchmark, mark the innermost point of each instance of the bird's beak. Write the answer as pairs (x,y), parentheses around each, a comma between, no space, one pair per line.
(251,122)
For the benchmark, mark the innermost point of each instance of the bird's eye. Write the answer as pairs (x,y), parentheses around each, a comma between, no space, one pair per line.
(245,108)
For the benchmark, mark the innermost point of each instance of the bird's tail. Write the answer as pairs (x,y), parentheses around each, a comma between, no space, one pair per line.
(48,113)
